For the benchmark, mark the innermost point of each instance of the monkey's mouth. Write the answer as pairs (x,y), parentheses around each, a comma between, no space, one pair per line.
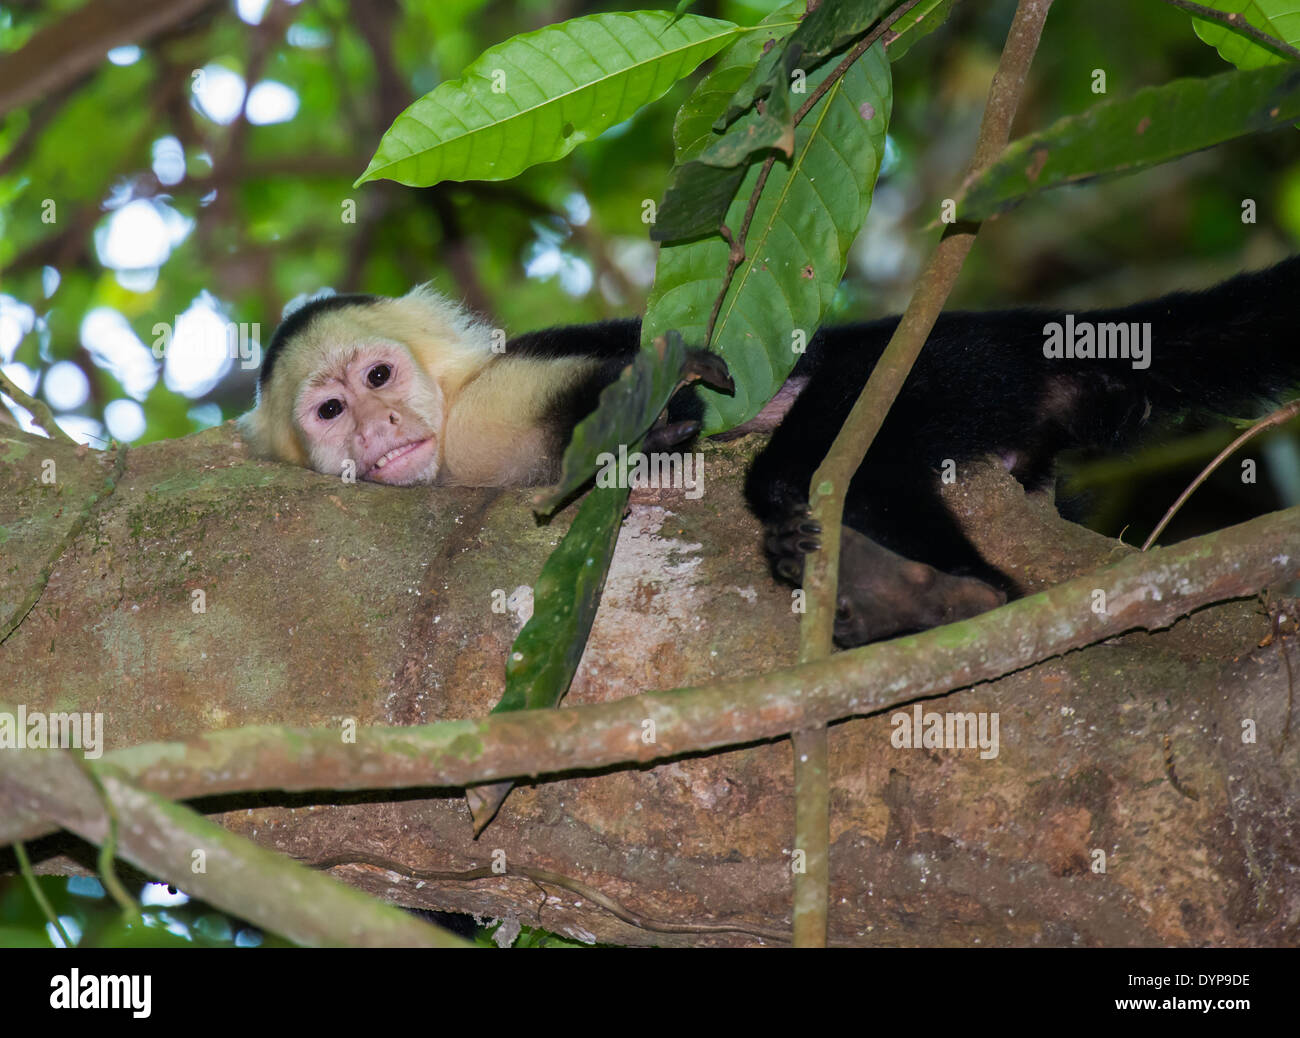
(404,463)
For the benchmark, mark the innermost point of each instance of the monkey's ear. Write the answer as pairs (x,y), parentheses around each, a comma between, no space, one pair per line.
(252,427)
(270,435)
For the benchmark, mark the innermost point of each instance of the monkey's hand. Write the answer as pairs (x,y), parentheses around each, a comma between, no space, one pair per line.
(790,539)
(881,593)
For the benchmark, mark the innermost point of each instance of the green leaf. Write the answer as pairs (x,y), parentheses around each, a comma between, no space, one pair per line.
(1278,18)
(696,201)
(545,656)
(1128,134)
(810,211)
(704,179)
(918,23)
(536,97)
(823,31)
(627,408)
(546,653)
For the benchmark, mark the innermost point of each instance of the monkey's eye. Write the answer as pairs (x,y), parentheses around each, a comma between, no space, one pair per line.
(332,408)
(379,374)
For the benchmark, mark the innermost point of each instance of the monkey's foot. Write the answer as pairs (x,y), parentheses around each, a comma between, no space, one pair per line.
(709,368)
(882,593)
(789,540)
(669,434)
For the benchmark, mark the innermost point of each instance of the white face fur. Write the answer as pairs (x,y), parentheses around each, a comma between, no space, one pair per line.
(365,389)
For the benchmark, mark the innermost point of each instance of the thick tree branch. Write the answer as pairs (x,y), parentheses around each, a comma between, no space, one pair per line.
(1143,592)
(165,839)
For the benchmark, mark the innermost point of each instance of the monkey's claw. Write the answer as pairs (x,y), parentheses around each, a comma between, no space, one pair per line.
(790,540)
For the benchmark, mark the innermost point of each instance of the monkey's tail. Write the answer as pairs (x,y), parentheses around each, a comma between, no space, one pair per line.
(1227,347)
(1226,350)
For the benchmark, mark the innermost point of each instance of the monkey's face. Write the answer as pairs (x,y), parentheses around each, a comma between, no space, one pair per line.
(376,408)
(364,385)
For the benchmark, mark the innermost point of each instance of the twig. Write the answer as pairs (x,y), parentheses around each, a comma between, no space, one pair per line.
(41,413)
(812,833)
(38,895)
(1278,417)
(831,480)
(1236,21)
(737,255)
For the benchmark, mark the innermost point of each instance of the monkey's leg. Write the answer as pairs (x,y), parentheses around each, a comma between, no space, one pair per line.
(881,593)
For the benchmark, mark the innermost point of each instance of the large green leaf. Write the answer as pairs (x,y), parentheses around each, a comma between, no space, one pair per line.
(1278,18)
(807,217)
(1128,134)
(546,652)
(702,182)
(824,30)
(626,410)
(536,97)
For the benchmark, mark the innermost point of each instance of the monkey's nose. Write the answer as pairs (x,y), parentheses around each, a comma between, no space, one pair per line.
(393,418)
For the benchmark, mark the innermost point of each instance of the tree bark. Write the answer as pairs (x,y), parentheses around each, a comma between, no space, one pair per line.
(324,602)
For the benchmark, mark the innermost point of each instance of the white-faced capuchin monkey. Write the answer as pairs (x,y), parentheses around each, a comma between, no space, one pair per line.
(410,391)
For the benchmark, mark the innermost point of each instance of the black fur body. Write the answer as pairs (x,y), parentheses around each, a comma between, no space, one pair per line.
(982,385)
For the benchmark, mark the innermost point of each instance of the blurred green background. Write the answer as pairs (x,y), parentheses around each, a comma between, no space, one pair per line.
(204,176)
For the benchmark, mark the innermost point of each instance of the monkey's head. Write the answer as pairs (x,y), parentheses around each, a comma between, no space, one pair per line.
(366,380)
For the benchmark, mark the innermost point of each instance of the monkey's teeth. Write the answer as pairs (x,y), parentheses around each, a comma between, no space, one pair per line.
(394,453)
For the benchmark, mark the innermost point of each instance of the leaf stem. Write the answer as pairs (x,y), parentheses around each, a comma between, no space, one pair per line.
(1236,22)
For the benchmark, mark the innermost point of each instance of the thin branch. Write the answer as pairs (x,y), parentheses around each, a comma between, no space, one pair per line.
(41,413)
(38,895)
(831,480)
(812,834)
(1278,417)
(845,456)
(161,839)
(1236,22)
(1143,592)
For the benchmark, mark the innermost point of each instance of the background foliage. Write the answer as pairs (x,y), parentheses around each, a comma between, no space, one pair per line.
(152,162)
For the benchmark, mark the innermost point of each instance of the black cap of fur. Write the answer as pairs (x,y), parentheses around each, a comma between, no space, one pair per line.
(299,319)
